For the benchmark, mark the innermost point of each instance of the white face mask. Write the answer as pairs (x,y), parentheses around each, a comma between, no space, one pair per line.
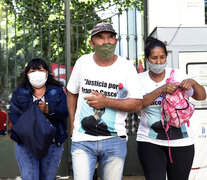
(156,68)
(37,79)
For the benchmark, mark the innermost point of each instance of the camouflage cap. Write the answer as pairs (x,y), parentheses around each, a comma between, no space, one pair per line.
(102,27)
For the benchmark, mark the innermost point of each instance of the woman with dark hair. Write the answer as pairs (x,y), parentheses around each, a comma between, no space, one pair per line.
(39,84)
(153,142)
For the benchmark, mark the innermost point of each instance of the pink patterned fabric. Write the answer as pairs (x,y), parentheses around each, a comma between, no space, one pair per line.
(176,110)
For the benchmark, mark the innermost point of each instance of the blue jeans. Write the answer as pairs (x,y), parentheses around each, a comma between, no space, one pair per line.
(32,169)
(110,153)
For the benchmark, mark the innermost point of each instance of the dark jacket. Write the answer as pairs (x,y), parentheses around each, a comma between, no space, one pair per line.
(56,99)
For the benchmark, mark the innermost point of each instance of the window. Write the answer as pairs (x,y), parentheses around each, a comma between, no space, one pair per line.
(206,11)
(198,72)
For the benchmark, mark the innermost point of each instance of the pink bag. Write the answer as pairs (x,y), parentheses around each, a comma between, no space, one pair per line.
(176,110)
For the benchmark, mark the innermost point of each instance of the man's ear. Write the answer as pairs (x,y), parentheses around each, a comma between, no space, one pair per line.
(91,43)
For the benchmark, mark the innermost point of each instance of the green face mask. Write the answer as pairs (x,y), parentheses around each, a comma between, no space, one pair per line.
(105,51)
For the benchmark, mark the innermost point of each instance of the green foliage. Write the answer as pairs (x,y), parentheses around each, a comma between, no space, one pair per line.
(40,25)
(36,28)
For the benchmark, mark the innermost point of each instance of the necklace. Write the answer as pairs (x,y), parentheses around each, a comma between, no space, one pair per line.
(39,93)
(156,78)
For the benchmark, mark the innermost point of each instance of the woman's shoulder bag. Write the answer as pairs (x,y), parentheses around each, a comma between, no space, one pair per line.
(34,130)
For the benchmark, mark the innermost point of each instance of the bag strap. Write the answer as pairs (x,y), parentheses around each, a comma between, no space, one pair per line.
(16,108)
(20,111)
(168,139)
(171,76)
(172,73)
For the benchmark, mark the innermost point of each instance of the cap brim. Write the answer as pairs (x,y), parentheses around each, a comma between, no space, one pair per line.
(103,31)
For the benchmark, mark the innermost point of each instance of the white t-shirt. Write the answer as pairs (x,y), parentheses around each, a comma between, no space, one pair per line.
(150,127)
(87,76)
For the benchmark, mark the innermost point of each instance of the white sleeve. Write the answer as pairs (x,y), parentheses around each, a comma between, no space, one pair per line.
(190,92)
(133,84)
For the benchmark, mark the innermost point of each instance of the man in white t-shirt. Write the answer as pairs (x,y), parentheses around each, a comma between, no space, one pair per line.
(97,116)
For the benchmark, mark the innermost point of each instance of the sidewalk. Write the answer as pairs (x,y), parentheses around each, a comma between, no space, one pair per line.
(70,178)
(133,178)
(124,178)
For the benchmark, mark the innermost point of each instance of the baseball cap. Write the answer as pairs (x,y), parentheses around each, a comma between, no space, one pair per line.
(102,27)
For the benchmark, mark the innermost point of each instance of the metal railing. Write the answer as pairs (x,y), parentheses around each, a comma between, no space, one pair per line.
(55,37)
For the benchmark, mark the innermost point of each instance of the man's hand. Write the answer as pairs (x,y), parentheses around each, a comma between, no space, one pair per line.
(96,100)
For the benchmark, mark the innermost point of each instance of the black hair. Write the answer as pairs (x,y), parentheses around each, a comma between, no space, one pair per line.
(151,43)
(38,63)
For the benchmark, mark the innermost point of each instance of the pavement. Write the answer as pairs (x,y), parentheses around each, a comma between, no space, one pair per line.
(133,178)
(70,178)
(124,178)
